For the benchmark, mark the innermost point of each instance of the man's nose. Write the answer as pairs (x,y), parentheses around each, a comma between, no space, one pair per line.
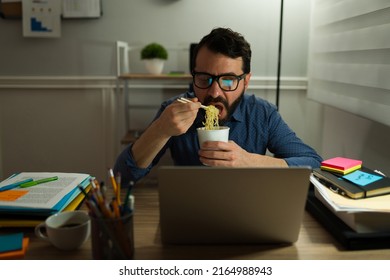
(214,90)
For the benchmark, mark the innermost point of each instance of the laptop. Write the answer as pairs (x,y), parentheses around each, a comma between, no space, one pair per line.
(218,205)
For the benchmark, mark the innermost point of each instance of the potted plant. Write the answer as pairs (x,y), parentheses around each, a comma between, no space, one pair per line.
(154,56)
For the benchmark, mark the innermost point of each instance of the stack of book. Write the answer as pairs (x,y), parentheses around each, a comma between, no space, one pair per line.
(352,202)
(349,178)
(369,215)
(359,196)
(28,198)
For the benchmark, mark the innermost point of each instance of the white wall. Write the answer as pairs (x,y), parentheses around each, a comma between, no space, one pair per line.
(349,69)
(349,57)
(86,47)
(345,134)
(57,128)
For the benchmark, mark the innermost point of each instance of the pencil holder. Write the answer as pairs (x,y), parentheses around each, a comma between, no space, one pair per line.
(112,238)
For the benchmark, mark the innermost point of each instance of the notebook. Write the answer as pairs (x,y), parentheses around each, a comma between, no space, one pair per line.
(216,205)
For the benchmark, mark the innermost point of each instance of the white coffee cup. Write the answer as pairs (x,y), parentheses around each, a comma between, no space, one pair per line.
(219,134)
(65,230)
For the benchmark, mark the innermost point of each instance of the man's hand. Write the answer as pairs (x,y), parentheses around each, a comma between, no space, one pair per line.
(177,118)
(216,153)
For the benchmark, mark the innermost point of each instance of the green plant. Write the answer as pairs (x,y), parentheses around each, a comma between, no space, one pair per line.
(154,50)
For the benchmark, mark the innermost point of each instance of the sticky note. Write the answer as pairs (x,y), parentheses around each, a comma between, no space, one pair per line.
(341,163)
(11,242)
(361,178)
(11,195)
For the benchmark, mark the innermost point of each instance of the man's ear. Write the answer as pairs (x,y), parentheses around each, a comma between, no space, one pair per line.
(246,80)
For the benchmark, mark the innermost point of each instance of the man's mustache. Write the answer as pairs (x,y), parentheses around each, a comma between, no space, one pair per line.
(208,100)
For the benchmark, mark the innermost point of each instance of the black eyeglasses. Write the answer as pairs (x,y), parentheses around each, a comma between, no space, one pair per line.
(227,82)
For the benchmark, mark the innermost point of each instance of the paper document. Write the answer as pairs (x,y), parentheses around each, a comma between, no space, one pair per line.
(341,203)
(43,196)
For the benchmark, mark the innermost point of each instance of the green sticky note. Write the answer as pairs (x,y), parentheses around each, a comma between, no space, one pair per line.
(361,178)
(11,242)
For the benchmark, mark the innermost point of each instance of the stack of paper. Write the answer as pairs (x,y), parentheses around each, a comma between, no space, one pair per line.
(36,202)
(341,165)
(362,215)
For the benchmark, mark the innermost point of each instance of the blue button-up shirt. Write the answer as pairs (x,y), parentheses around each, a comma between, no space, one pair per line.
(255,125)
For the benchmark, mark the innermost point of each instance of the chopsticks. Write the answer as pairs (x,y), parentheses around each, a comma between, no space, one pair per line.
(185,100)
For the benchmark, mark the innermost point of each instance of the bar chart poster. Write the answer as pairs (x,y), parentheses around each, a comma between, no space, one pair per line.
(41,18)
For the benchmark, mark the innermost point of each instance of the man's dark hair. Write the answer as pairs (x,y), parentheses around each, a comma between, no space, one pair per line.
(228,43)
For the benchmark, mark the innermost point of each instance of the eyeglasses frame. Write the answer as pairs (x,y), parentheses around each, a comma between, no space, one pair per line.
(216,78)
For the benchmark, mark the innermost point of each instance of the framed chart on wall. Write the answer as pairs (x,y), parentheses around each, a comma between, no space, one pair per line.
(41,18)
(12,9)
(81,8)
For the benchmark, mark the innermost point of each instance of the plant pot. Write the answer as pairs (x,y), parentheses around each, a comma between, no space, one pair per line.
(154,66)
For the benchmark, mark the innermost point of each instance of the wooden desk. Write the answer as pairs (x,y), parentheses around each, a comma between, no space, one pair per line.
(314,241)
(164,81)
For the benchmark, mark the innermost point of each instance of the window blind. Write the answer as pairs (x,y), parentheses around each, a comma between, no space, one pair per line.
(349,56)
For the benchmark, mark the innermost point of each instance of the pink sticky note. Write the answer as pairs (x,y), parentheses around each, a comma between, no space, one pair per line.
(341,163)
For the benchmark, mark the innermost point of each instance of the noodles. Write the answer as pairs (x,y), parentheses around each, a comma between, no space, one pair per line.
(211,121)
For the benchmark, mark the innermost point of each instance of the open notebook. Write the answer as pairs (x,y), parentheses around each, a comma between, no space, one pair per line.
(210,205)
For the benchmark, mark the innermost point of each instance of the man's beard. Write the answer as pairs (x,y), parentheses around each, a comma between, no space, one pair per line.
(229,108)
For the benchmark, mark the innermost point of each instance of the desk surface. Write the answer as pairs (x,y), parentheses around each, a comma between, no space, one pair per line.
(314,241)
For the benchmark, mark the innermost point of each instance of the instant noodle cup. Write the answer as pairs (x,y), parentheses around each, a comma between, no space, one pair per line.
(220,133)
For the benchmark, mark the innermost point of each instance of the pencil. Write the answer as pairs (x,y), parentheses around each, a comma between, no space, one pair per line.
(126,208)
(114,186)
(118,190)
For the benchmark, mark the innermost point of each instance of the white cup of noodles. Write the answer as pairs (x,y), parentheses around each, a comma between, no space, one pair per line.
(220,133)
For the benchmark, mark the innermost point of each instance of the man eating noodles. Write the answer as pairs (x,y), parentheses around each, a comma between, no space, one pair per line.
(221,74)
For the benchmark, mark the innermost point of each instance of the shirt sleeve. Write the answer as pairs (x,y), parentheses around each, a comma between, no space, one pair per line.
(127,167)
(285,144)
